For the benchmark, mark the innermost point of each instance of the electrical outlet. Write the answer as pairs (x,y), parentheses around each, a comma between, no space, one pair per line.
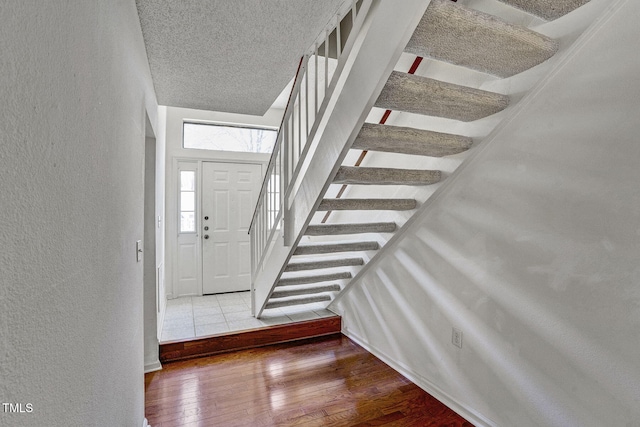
(456,337)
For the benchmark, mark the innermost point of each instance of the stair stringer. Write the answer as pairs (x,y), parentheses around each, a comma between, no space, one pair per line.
(388,28)
(582,28)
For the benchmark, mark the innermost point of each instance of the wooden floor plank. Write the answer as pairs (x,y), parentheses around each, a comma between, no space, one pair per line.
(325,381)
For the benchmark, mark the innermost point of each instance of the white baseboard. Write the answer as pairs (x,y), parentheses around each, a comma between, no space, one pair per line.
(145,423)
(459,407)
(152,367)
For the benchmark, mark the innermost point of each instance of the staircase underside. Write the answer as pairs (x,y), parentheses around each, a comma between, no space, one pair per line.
(450,33)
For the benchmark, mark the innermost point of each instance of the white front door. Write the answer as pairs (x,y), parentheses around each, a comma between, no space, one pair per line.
(229,194)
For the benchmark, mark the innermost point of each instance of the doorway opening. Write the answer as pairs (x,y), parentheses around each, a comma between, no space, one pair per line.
(215,205)
(151,291)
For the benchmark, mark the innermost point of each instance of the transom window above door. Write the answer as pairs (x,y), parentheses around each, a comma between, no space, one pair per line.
(203,136)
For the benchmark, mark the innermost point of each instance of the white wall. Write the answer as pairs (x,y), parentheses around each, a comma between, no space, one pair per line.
(531,249)
(74,87)
(175,117)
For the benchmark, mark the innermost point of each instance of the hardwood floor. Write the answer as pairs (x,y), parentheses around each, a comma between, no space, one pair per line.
(327,381)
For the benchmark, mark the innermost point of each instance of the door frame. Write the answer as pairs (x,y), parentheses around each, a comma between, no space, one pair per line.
(175,214)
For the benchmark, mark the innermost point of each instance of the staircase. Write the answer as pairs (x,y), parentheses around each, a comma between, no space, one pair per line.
(354,220)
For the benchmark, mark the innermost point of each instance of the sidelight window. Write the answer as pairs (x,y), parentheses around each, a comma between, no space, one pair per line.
(187,201)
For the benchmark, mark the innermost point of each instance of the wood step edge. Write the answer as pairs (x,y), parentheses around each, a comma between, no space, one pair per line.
(223,343)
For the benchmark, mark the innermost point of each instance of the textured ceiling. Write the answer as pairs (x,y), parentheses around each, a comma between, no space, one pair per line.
(228,55)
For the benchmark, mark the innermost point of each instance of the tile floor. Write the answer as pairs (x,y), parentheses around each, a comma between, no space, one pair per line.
(191,317)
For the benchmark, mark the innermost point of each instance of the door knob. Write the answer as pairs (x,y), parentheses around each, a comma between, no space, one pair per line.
(206,236)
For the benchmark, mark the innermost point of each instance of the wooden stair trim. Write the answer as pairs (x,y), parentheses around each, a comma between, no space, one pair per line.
(385,176)
(215,344)
(367,204)
(352,228)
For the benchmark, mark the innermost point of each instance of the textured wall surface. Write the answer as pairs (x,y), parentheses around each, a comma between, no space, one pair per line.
(234,56)
(74,84)
(531,250)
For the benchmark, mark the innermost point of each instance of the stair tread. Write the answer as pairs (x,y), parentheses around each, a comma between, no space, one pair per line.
(367,204)
(336,247)
(298,280)
(422,95)
(297,301)
(547,9)
(385,176)
(472,39)
(398,139)
(352,228)
(331,263)
(286,292)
